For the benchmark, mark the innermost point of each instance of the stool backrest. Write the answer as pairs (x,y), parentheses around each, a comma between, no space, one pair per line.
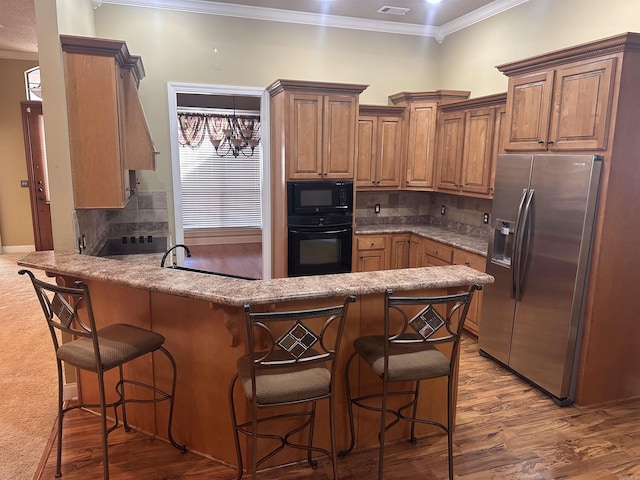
(287,339)
(62,307)
(427,320)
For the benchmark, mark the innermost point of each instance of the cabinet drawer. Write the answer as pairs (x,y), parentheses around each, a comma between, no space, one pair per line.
(371,242)
(462,257)
(438,250)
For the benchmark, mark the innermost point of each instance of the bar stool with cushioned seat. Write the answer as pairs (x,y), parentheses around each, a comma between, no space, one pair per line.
(291,360)
(407,352)
(69,310)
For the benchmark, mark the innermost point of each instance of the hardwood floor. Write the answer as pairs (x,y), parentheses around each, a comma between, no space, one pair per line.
(238,259)
(506,429)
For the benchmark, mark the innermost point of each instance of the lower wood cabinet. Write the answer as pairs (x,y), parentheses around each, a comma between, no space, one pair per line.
(477,262)
(390,251)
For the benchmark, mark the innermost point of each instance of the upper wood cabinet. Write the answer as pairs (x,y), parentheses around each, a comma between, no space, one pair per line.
(379,161)
(314,129)
(469,138)
(420,133)
(108,134)
(563,108)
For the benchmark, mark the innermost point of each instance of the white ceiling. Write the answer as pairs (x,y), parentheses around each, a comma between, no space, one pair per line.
(18,26)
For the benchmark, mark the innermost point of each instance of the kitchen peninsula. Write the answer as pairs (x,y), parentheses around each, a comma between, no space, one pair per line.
(202,319)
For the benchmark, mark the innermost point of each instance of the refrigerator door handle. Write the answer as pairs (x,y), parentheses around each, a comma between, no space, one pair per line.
(515,264)
(525,238)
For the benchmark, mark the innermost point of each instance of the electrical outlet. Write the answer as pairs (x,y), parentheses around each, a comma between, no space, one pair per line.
(376,208)
(24,184)
(485,218)
(443,210)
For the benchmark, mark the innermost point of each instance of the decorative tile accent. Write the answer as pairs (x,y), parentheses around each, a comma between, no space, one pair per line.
(297,340)
(427,322)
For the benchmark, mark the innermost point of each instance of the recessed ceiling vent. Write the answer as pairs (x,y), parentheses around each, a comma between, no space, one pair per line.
(394,10)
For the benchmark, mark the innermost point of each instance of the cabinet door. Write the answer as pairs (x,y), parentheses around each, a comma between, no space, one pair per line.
(371,253)
(478,262)
(415,251)
(478,150)
(304,142)
(582,106)
(498,143)
(339,136)
(389,152)
(421,145)
(138,147)
(528,110)
(366,153)
(450,149)
(94,99)
(400,246)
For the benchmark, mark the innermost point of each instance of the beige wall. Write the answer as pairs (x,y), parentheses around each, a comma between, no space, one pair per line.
(177,47)
(469,56)
(15,209)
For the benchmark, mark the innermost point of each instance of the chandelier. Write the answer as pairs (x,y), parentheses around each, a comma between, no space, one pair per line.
(240,136)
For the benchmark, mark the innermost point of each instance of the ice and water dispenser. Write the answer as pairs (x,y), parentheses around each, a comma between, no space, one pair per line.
(503,234)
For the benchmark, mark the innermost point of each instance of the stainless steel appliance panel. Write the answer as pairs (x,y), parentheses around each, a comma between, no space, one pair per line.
(512,179)
(548,312)
(539,254)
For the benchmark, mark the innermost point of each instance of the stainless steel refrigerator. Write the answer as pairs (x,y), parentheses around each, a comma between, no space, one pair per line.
(542,217)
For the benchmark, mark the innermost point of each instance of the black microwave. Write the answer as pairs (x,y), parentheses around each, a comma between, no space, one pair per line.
(320,197)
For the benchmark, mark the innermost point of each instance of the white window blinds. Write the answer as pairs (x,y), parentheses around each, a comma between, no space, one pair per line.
(219,192)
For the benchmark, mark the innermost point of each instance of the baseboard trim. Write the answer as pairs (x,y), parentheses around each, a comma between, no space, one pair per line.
(69,391)
(17,248)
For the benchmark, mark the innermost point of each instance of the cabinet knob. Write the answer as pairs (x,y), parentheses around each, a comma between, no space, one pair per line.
(550,142)
(541,142)
(467,264)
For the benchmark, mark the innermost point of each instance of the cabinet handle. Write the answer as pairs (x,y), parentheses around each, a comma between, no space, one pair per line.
(550,142)
(541,142)
(467,264)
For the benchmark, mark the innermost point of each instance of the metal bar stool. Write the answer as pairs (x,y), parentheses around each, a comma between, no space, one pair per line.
(291,360)
(407,352)
(69,310)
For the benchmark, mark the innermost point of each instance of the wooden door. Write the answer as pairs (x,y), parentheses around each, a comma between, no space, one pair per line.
(371,253)
(339,136)
(33,127)
(478,150)
(421,145)
(366,152)
(450,150)
(304,142)
(582,106)
(389,152)
(528,111)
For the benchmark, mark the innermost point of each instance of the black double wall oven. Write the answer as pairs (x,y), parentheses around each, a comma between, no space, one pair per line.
(320,224)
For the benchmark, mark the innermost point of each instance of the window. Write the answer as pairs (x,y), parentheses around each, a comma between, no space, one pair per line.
(220,189)
(32,82)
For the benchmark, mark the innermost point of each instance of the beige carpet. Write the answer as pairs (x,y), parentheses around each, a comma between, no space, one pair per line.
(28,385)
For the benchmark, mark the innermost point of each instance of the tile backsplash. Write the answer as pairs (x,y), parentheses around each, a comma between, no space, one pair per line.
(461,213)
(145,214)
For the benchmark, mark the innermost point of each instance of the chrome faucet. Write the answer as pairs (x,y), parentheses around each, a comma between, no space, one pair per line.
(164,257)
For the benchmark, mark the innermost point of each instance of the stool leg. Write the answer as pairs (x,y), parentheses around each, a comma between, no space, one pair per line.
(332,428)
(60,417)
(347,385)
(449,426)
(383,427)
(413,438)
(103,423)
(182,448)
(312,422)
(123,402)
(236,437)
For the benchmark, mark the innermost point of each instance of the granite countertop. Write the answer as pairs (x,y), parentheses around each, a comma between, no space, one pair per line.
(237,292)
(471,243)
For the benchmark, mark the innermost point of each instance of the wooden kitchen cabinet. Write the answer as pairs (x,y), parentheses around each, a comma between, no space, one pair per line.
(565,108)
(436,254)
(400,251)
(379,160)
(477,262)
(371,253)
(108,134)
(315,127)
(469,134)
(420,133)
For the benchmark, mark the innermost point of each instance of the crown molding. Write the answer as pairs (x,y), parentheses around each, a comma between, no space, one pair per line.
(16,55)
(306,18)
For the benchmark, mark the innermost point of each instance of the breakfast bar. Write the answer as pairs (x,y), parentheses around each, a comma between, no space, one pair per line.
(202,318)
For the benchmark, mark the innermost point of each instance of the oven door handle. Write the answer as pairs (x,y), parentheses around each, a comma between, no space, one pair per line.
(321,232)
